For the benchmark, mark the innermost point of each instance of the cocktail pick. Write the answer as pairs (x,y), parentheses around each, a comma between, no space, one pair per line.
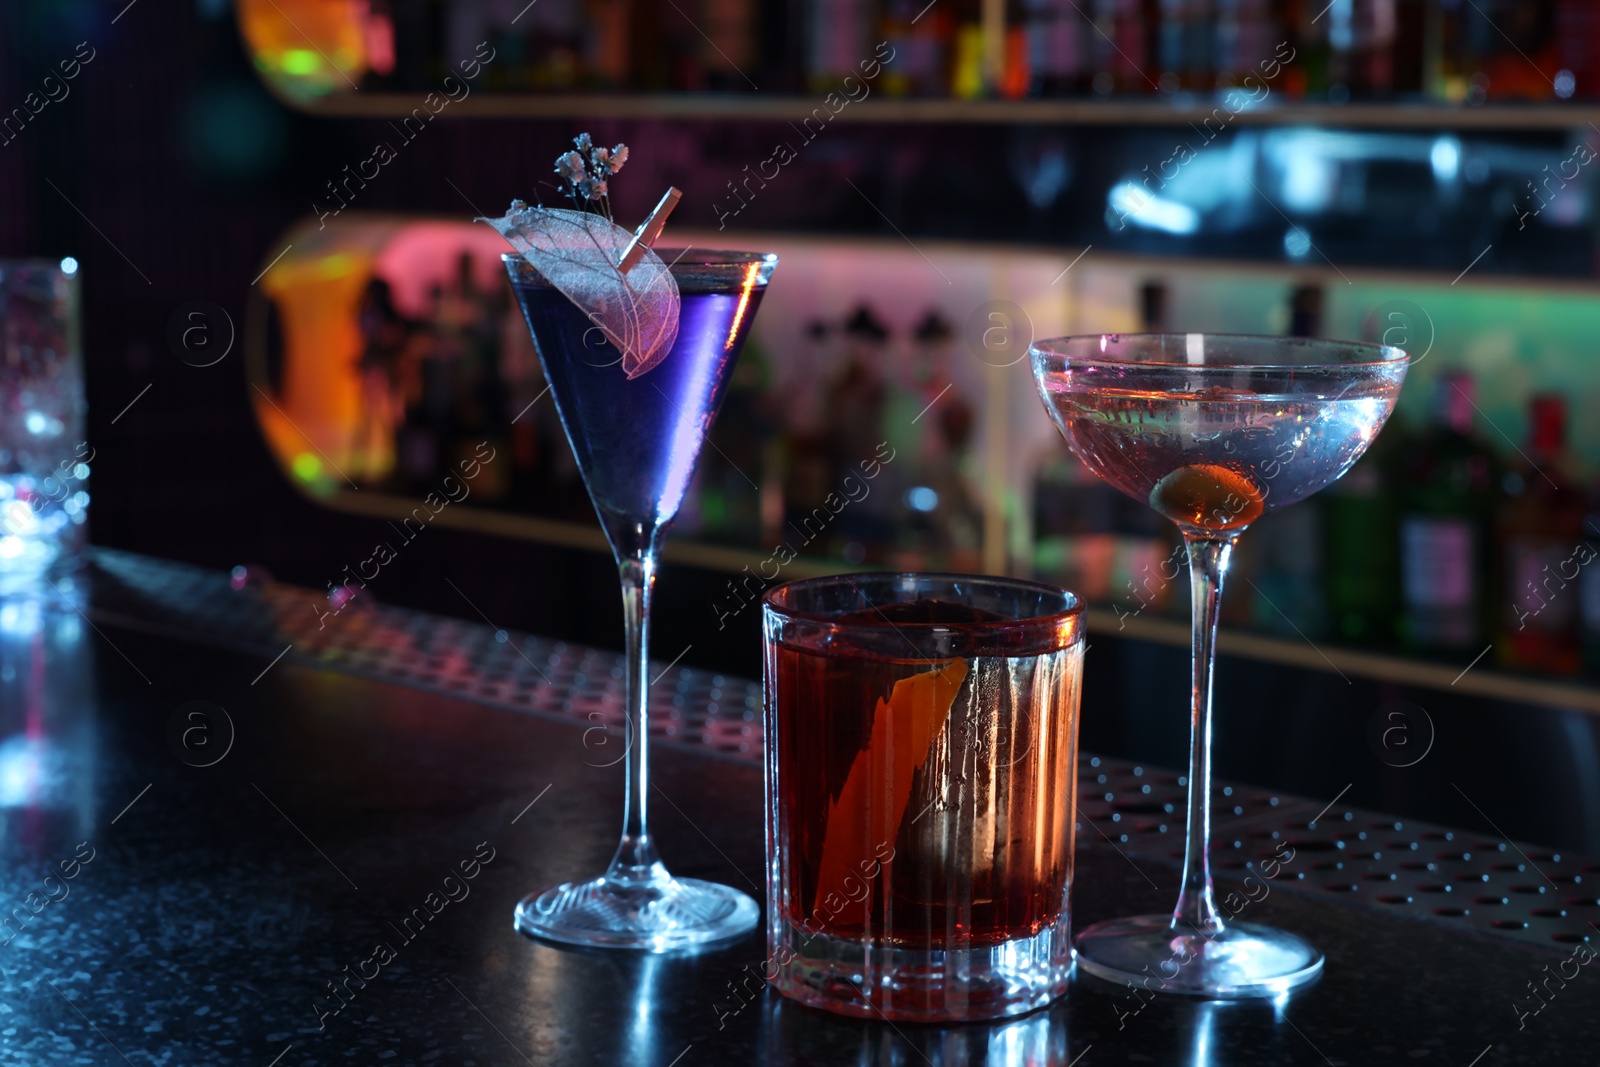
(649,229)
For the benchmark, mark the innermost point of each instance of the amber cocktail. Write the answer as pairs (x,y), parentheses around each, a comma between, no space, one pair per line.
(921,748)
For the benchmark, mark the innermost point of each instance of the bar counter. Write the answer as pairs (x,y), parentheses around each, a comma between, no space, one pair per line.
(296,838)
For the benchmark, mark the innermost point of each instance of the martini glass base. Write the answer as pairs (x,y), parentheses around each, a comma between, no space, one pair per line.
(1246,960)
(662,915)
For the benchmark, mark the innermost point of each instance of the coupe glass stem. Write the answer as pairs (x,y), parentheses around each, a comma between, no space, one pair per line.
(636,860)
(1196,912)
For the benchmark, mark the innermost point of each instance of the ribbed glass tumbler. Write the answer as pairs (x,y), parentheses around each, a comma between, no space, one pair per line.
(921,759)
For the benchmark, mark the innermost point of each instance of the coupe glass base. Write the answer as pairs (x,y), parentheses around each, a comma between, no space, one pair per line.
(663,915)
(1246,960)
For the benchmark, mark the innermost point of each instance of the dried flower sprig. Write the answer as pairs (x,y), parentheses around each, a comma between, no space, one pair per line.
(587,171)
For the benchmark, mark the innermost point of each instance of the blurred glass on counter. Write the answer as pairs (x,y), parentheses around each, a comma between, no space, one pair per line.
(44,460)
(48,732)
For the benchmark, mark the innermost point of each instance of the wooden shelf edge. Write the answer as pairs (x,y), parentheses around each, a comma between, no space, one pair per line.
(1267,270)
(1347,663)
(666,105)
(1264,270)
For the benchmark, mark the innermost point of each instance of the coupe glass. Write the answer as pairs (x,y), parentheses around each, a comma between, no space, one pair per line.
(636,441)
(1211,430)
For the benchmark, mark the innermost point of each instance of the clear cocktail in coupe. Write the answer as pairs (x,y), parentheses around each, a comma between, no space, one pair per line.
(1212,431)
(636,440)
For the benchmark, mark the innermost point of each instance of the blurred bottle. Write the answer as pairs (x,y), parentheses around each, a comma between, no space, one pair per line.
(1015,73)
(1148,560)
(483,403)
(1073,543)
(807,461)
(651,65)
(941,523)
(1446,486)
(1541,544)
(1452,59)
(922,38)
(781,31)
(1409,65)
(968,79)
(1153,306)
(914,508)
(732,476)
(1374,27)
(466,307)
(1361,535)
(1253,39)
(1341,30)
(608,53)
(425,437)
(1305,311)
(1360,542)
(854,413)
(525,386)
(1055,32)
(1524,56)
(1578,31)
(1135,23)
(384,334)
(1231,61)
(1169,35)
(1185,39)
(1308,74)
(729,45)
(416,37)
(552,42)
(838,38)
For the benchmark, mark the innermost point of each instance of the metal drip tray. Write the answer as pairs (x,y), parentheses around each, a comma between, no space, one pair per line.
(1459,878)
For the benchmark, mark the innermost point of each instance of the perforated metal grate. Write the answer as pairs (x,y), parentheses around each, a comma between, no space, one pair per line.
(1451,877)
(692,707)
(1455,877)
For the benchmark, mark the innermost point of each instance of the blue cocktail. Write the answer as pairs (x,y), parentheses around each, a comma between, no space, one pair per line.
(636,441)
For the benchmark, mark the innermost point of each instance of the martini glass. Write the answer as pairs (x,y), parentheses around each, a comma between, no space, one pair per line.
(636,441)
(1211,430)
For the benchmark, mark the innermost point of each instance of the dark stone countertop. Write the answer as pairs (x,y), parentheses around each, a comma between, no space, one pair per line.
(219,901)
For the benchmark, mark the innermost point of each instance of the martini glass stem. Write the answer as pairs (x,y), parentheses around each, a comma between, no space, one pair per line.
(636,860)
(1197,912)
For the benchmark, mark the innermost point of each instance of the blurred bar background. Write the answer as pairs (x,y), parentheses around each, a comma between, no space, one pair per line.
(292,329)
